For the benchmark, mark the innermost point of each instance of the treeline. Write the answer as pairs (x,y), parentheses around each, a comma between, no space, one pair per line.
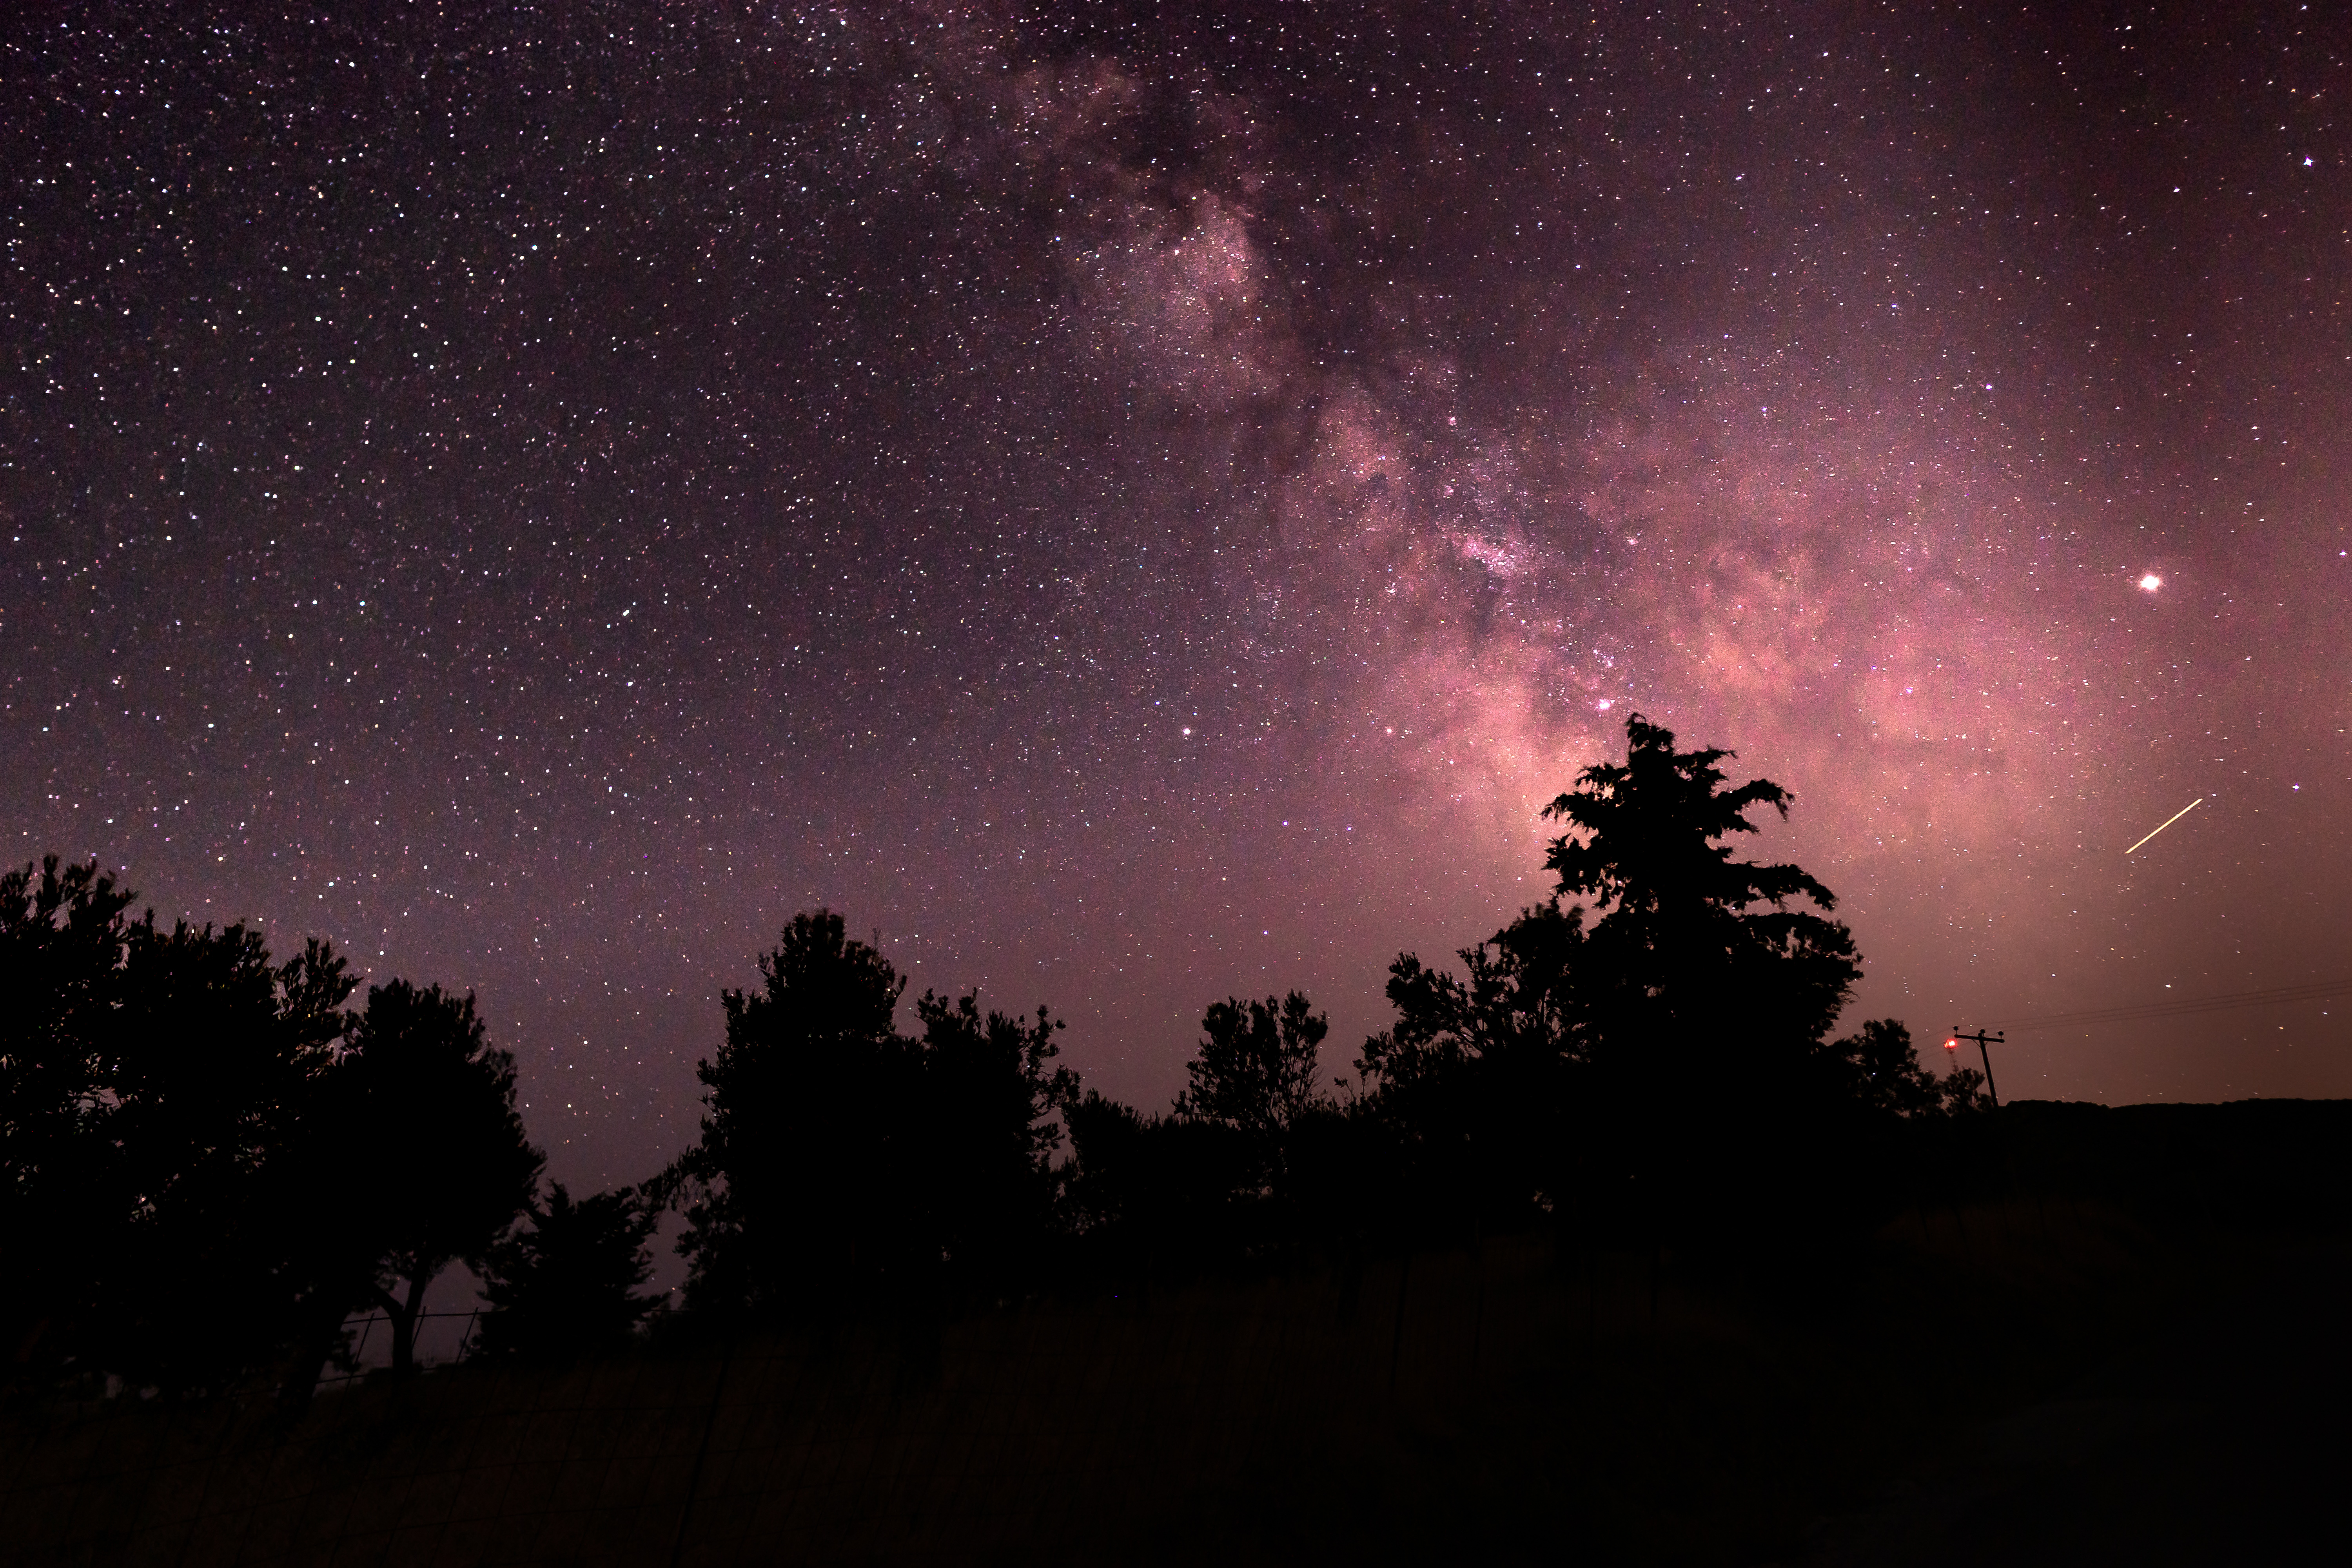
(213,1160)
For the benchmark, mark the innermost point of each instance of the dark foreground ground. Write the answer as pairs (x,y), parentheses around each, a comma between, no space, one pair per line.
(2133,1351)
(2222,1436)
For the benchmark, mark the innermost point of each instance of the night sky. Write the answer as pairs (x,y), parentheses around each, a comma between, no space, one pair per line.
(1147,506)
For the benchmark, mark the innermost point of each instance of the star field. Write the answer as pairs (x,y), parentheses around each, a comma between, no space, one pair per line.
(1137,503)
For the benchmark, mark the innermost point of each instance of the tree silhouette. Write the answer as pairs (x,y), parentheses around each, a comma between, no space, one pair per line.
(1657,1052)
(1255,1073)
(208,1160)
(1218,1178)
(566,1287)
(991,1102)
(1703,995)
(1474,1076)
(218,1056)
(435,1159)
(1878,1070)
(1162,1195)
(155,1083)
(62,936)
(1254,1070)
(841,1164)
(799,1196)
(1680,946)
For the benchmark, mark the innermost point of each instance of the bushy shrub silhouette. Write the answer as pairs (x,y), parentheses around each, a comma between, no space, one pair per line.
(568,1285)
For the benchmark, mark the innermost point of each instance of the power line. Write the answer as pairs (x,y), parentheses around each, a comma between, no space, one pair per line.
(2313,991)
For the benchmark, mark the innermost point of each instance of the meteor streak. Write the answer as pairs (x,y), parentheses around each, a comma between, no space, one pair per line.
(2169,821)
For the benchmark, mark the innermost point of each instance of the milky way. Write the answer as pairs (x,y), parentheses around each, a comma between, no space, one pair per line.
(1145,508)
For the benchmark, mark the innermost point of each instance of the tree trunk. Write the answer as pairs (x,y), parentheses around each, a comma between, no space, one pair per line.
(395,1320)
(403,1316)
(322,1326)
(416,1283)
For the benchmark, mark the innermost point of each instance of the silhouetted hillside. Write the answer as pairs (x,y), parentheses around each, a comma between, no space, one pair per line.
(2249,1163)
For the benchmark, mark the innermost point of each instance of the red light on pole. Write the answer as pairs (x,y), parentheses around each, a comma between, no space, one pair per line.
(1984,1045)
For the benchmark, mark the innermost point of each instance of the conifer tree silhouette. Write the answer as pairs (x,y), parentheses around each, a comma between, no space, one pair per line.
(1659,1043)
(841,1164)
(1679,950)
(799,1193)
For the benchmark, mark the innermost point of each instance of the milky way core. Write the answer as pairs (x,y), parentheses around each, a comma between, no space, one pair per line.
(1141,503)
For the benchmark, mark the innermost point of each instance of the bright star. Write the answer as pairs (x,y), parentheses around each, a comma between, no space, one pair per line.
(2150,583)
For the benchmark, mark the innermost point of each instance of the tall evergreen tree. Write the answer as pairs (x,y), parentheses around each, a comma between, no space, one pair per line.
(841,1164)
(1692,949)
(799,1194)
(1658,1046)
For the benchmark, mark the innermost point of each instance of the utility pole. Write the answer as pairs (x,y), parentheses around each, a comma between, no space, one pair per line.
(1983,1042)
